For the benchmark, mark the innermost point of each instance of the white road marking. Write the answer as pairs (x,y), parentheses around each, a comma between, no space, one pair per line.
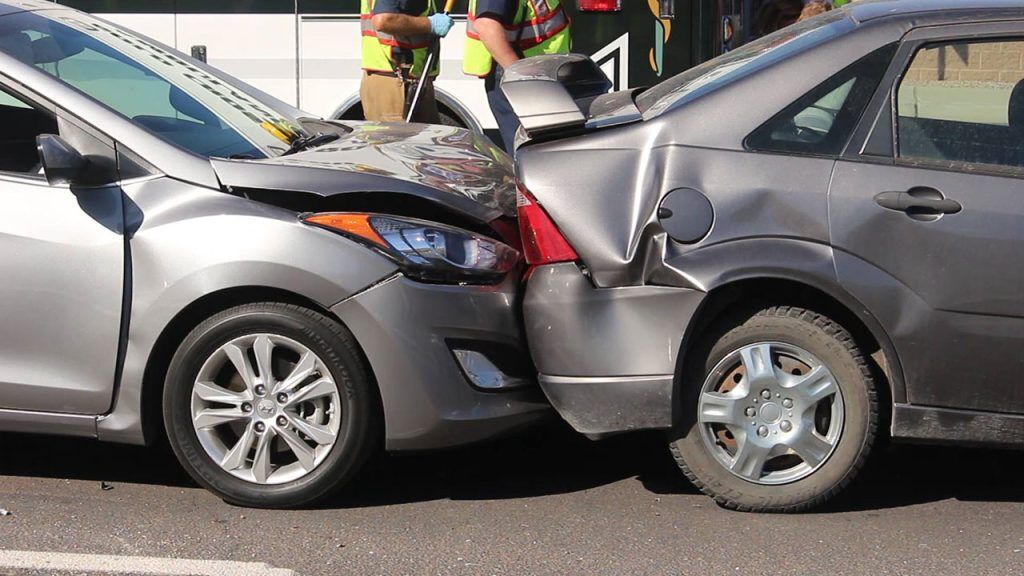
(135,565)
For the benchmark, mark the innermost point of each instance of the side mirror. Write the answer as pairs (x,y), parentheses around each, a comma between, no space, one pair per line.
(62,164)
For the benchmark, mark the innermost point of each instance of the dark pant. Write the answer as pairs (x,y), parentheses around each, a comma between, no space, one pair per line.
(508,123)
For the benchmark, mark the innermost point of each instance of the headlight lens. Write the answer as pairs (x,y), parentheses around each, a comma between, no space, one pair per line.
(424,250)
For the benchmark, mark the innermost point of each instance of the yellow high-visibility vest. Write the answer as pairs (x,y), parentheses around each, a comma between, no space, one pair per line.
(540,27)
(383,52)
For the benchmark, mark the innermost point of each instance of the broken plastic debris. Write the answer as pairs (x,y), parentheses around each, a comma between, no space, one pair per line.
(106,486)
(5,512)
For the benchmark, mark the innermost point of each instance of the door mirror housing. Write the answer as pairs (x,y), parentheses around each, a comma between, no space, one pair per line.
(62,163)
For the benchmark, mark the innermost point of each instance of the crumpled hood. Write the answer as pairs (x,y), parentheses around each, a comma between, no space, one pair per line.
(452,166)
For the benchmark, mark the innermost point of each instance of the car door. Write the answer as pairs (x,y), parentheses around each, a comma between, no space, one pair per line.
(62,266)
(927,217)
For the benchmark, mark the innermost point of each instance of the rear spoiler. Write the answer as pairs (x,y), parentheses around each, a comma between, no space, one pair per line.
(548,93)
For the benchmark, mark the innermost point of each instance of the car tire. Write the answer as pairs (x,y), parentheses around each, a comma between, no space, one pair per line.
(451,120)
(285,442)
(784,439)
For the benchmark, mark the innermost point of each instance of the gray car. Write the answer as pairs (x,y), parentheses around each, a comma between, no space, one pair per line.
(787,252)
(183,256)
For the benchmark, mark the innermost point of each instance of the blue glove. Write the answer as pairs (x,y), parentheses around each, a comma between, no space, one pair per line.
(440,24)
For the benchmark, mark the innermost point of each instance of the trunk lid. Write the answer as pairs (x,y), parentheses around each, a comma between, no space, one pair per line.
(563,94)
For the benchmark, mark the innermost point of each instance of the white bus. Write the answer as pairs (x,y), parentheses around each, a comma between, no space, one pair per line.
(307,52)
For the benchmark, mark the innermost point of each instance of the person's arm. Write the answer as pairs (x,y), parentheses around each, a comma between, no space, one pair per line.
(401,24)
(492,34)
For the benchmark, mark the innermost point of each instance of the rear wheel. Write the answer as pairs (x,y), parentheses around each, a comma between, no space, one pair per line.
(270,405)
(779,411)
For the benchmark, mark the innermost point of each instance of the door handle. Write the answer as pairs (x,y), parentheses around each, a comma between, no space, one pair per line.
(920,203)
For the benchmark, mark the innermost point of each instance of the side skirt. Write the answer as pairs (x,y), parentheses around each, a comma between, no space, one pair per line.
(47,423)
(965,427)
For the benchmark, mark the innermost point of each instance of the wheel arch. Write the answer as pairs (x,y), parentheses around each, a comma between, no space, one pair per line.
(758,291)
(352,109)
(186,320)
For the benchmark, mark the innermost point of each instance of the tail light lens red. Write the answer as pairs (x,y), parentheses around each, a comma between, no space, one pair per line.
(599,5)
(542,242)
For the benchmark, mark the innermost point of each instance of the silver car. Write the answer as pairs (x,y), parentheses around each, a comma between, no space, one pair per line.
(185,256)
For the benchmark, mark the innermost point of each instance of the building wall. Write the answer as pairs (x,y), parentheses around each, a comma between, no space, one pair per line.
(965,82)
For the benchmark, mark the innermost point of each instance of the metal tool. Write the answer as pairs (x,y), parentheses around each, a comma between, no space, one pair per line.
(449,5)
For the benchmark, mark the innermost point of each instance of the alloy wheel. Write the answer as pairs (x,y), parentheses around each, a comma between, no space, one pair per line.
(266,409)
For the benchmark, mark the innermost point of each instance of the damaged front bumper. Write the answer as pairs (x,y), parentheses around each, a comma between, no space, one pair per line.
(607,357)
(449,361)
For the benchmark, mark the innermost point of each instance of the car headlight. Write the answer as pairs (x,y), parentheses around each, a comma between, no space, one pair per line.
(426,251)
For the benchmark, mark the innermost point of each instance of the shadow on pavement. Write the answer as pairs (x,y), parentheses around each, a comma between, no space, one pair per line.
(549,460)
(902,475)
(84,459)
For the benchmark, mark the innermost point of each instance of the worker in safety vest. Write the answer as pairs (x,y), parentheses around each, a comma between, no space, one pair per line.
(397,36)
(503,31)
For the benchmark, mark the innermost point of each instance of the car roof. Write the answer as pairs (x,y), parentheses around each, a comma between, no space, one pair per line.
(13,6)
(950,10)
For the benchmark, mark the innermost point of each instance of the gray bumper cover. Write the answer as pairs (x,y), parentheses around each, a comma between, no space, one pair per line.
(606,357)
(407,330)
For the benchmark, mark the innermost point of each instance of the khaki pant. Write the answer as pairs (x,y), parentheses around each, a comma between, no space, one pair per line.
(383,99)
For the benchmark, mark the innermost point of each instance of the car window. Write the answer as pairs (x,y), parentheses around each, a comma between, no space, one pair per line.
(821,122)
(742,62)
(963,102)
(22,122)
(154,87)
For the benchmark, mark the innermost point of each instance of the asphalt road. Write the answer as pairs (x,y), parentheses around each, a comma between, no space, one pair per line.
(547,503)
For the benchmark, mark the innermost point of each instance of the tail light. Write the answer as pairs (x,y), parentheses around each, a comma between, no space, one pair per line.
(542,242)
(599,5)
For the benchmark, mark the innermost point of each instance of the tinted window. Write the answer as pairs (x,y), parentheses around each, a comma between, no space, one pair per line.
(22,122)
(742,62)
(154,87)
(964,102)
(822,121)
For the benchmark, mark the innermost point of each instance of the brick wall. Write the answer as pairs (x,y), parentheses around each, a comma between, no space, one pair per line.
(1001,62)
(965,83)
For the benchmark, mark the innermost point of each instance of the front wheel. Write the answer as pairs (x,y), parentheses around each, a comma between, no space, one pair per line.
(779,411)
(270,405)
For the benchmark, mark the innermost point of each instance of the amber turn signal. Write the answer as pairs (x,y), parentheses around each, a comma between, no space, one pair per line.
(350,223)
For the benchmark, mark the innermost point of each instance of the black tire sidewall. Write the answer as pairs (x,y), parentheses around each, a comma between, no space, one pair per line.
(827,343)
(325,337)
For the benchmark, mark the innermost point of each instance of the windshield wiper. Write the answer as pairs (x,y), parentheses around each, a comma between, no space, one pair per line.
(311,141)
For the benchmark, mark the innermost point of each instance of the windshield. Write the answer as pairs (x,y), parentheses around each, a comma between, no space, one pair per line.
(742,62)
(156,88)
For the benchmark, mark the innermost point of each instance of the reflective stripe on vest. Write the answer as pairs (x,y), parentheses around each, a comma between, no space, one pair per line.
(540,7)
(542,28)
(382,52)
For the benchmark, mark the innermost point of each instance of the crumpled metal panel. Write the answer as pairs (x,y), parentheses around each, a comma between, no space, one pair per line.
(451,166)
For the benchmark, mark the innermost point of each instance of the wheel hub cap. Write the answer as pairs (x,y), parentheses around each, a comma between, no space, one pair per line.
(266,408)
(771,413)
